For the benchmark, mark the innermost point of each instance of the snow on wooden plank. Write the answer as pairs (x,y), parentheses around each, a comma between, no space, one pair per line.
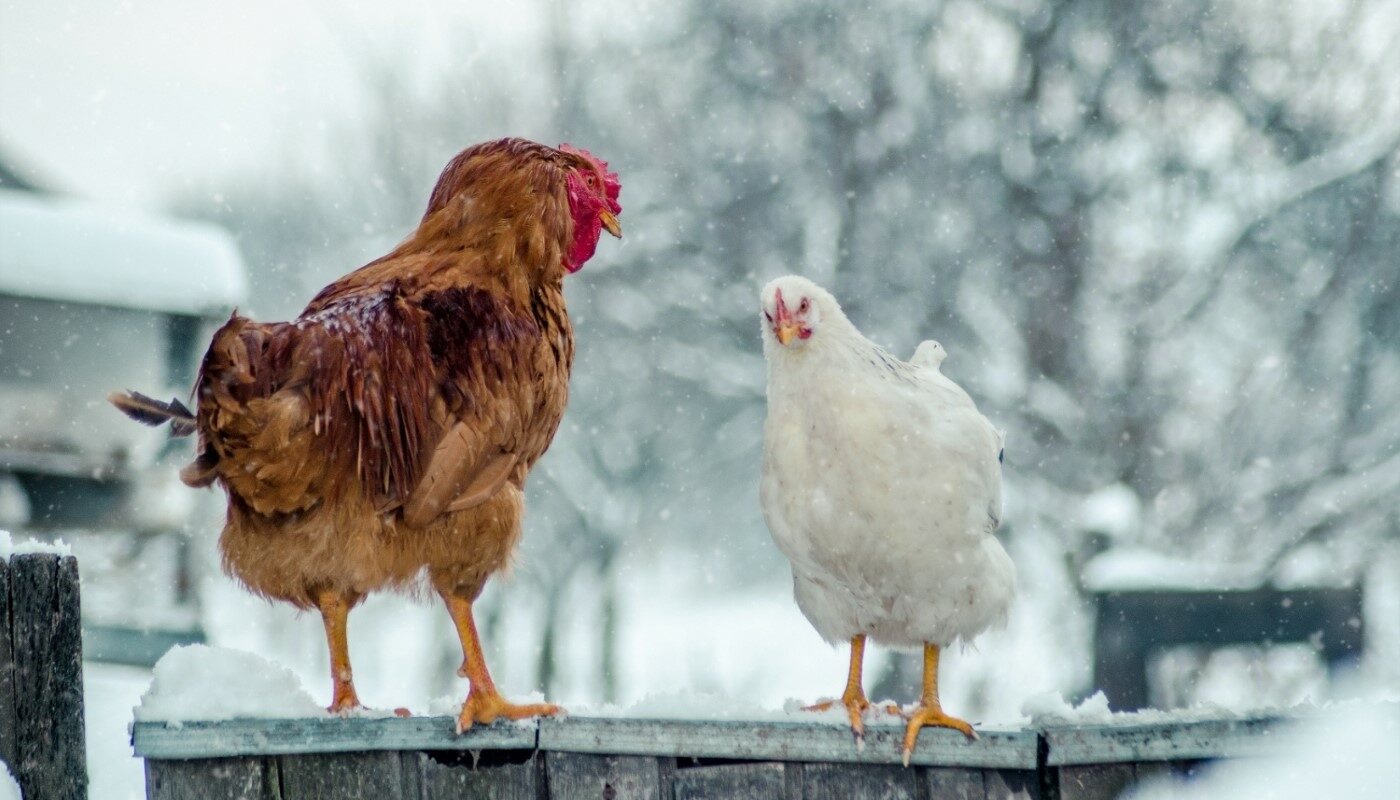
(1167,740)
(785,741)
(731,739)
(246,737)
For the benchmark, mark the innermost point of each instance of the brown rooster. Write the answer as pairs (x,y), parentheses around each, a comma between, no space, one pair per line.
(387,431)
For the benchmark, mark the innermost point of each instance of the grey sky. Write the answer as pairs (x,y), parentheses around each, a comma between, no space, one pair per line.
(123,100)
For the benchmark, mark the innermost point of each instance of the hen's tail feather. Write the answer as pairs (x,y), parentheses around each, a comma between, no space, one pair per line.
(150,411)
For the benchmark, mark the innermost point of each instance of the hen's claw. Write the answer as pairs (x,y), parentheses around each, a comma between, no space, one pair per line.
(345,704)
(857,704)
(931,716)
(486,708)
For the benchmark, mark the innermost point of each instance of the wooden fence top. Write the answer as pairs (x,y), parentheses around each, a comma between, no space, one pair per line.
(719,739)
(1162,739)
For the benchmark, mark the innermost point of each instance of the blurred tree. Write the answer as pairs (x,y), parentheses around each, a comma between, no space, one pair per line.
(1157,239)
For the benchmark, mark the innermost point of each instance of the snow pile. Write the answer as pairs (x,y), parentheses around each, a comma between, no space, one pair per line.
(9,547)
(71,250)
(1114,510)
(1051,707)
(1351,751)
(200,682)
(1127,568)
(9,788)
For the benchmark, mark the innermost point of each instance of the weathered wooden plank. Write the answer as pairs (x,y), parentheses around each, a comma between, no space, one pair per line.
(322,735)
(761,780)
(1095,781)
(349,776)
(9,725)
(481,775)
(793,777)
(1147,772)
(604,777)
(1011,784)
(955,783)
(210,778)
(784,741)
(46,635)
(1160,741)
(845,781)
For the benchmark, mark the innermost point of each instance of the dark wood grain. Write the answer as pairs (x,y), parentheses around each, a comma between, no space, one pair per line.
(844,781)
(46,631)
(350,776)
(212,779)
(1011,784)
(954,783)
(9,725)
(793,777)
(757,781)
(1095,781)
(481,775)
(595,777)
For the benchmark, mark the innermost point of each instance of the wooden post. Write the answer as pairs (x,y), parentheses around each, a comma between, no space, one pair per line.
(41,676)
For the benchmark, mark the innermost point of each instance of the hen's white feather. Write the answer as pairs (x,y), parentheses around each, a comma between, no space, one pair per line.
(881,484)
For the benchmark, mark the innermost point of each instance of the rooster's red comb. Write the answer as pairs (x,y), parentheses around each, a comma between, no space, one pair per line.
(611,183)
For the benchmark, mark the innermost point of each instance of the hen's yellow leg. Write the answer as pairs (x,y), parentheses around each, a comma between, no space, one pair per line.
(929,712)
(854,698)
(484,703)
(335,613)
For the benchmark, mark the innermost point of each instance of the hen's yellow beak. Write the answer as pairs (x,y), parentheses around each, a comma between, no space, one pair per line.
(786,332)
(610,222)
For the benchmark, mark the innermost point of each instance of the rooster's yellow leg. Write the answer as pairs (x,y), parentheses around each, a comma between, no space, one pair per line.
(484,703)
(854,698)
(335,613)
(929,712)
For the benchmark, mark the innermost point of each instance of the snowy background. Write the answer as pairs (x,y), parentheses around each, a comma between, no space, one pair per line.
(1158,240)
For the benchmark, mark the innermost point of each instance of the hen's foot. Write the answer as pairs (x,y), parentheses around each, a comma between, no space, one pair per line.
(857,704)
(344,702)
(931,716)
(487,707)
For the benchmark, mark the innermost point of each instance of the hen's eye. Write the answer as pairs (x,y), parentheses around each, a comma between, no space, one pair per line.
(804,305)
(768,316)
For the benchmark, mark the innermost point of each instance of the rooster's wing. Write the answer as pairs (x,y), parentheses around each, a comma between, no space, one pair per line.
(502,389)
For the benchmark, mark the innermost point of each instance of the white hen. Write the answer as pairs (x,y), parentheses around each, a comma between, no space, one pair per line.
(882,485)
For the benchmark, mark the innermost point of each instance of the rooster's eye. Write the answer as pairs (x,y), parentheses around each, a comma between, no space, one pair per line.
(768,316)
(804,305)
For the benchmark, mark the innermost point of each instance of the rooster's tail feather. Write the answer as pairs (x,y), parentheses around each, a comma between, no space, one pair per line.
(149,411)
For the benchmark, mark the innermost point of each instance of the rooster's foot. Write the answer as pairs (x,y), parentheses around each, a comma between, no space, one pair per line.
(487,708)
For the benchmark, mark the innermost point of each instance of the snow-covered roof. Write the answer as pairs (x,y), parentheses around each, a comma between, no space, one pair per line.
(64,249)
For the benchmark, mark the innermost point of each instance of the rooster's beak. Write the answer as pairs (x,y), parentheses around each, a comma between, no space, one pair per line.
(785,332)
(610,222)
